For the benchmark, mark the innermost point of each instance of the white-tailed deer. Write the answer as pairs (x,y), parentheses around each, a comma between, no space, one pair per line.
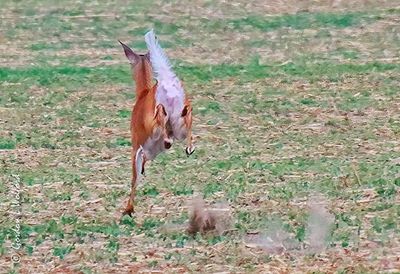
(161,112)
(148,121)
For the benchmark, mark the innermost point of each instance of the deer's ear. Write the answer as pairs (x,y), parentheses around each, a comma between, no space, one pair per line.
(186,110)
(158,110)
(132,57)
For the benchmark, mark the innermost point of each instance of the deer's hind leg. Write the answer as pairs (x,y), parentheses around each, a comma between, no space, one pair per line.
(138,161)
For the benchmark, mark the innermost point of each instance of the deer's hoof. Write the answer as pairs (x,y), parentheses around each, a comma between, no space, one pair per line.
(189,151)
(128,211)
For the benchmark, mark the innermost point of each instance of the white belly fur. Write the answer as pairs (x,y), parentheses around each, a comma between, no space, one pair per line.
(153,146)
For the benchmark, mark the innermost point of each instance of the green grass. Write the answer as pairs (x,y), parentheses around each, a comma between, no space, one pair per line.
(47,76)
(301,21)
(78,76)
(48,46)
(7,143)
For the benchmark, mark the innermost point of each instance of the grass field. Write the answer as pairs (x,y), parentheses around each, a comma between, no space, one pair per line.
(297,125)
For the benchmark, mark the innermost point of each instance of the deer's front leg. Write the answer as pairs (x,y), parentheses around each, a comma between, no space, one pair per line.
(187,118)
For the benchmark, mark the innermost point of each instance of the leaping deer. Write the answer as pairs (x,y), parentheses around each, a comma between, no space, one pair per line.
(161,112)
